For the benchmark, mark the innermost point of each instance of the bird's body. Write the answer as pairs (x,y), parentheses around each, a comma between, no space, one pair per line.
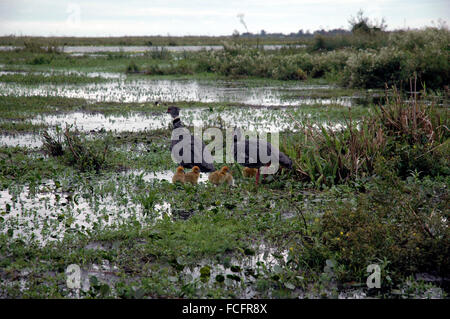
(229,179)
(179,175)
(255,153)
(192,177)
(181,140)
(249,171)
(221,176)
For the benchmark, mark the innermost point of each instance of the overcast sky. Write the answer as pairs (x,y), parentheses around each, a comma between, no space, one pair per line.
(194,17)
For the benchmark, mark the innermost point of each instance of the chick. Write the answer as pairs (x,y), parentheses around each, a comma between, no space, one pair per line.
(220,177)
(249,172)
(179,176)
(229,179)
(192,177)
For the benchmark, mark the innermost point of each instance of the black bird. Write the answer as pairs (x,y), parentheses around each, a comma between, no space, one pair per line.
(247,153)
(205,161)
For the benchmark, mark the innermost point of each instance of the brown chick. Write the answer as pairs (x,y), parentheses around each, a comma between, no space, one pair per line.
(220,177)
(229,179)
(179,176)
(192,177)
(249,171)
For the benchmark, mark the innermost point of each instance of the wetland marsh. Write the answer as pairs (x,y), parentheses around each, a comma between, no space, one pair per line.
(360,192)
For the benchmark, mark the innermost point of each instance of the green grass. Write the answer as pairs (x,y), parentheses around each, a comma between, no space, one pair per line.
(33,79)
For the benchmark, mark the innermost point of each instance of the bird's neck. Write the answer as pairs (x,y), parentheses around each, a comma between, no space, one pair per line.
(177,122)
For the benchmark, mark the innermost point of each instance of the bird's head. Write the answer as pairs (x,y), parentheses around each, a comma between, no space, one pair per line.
(180,169)
(173,111)
(224,169)
(196,169)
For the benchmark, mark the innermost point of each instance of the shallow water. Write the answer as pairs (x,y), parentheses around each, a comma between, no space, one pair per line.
(264,255)
(140,90)
(29,140)
(86,122)
(252,119)
(181,48)
(47,212)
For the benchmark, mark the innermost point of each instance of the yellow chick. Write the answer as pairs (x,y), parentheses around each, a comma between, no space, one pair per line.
(249,171)
(192,177)
(179,176)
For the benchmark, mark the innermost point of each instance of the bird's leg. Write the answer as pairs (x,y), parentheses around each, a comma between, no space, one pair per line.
(257,177)
(264,175)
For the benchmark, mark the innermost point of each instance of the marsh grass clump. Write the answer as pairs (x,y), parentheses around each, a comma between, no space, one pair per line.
(158,53)
(132,68)
(86,155)
(327,156)
(77,151)
(418,135)
(52,145)
(407,136)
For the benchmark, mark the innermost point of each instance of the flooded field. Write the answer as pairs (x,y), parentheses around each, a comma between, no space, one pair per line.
(138,91)
(99,193)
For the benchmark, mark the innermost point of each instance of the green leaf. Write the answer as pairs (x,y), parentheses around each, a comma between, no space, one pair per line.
(104,290)
(205,271)
(220,278)
(277,269)
(290,286)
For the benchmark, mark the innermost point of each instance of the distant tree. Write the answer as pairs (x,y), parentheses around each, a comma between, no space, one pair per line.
(263,33)
(362,24)
(235,34)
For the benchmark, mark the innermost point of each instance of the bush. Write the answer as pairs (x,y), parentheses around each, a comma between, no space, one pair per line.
(423,53)
(40,60)
(371,69)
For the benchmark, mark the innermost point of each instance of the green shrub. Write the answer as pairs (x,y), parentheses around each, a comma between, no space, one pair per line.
(371,69)
(40,60)
(132,68)
(404,227)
